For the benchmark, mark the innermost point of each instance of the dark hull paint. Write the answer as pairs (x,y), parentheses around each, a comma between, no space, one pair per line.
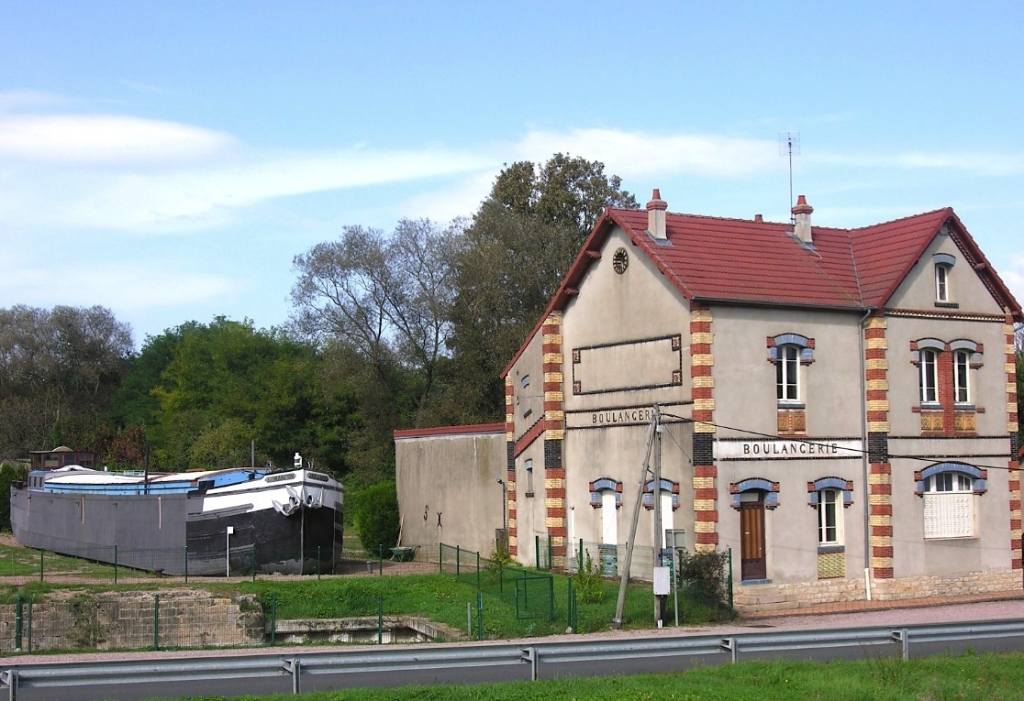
(159,533)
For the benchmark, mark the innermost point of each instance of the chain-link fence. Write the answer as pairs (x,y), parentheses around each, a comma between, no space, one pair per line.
(532,593)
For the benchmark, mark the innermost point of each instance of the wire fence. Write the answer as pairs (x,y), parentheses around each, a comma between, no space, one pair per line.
(531,592)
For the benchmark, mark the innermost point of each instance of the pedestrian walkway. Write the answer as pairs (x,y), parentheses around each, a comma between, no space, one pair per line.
(838,607)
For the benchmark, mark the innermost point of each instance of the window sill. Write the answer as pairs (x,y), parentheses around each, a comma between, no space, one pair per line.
(792,405)
(934,539)
(947,305)
(830,549)
(528,495)
(747,582)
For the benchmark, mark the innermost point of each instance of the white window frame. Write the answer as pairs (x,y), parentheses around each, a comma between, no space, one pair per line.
(929,377)
(830,517)
(961,377)
(942,271)
(787,374)
(949,506)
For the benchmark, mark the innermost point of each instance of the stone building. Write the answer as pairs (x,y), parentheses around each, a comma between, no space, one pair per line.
(836,406)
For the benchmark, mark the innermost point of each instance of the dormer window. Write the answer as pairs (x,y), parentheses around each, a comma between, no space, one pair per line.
(943,266)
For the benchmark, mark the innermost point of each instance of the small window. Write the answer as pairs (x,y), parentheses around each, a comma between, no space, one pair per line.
(941,282)
(525,381)
(787,374)
(830,528)
(929,379)
(961,377)
(529,476)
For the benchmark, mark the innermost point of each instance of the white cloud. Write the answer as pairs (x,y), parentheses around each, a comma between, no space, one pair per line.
(995,164)
(105,140)
(641,155)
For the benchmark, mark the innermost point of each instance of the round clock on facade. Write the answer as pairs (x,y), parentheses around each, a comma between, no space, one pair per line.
(620,261)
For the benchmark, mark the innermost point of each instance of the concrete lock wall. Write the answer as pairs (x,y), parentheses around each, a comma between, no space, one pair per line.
(448,489)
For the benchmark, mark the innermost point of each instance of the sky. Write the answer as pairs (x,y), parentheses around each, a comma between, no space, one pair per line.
(168,160)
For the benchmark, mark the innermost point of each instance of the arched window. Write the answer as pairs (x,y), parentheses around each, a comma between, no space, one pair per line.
(788,351)
(787,374)
(950,491)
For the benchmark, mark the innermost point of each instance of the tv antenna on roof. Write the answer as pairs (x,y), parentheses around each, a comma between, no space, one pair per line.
(789,144)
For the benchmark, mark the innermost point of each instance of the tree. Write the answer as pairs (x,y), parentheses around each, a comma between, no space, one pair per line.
(510,262)
(224,386)
(388,298)
(59,372)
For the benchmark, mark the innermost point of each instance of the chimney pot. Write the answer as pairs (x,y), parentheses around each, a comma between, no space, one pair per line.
(758,218)
(802,214)
(656,216)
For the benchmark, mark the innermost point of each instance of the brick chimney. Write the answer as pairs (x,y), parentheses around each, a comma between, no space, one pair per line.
(656,216)
(802,215)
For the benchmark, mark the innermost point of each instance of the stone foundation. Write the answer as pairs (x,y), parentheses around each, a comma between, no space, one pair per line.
(792,596)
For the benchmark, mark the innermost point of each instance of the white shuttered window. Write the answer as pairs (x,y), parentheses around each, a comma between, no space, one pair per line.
(949,506)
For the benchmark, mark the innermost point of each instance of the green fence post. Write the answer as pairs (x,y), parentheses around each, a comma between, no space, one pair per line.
(458,560)
(732,611)
(156,622)
(536,549)
(186,564)
(380,619)
(478,571)
(254,562)
(479,616)
(440,558)
(380,556)
(551,562)
(17,622)
(30,626)
(273,618)
(317,561)
(501,580)
(115,563)
(41,552)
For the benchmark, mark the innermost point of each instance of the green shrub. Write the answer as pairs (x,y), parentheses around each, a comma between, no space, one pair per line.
(704,577)
(377,517)
(587,581)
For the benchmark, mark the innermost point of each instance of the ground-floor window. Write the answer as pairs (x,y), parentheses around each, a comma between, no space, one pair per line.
(949,505)
(830,522)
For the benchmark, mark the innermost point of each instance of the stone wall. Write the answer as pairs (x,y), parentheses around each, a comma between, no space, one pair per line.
(796,595)
(132,620)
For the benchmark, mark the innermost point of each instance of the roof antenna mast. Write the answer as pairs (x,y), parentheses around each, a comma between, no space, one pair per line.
(789,144)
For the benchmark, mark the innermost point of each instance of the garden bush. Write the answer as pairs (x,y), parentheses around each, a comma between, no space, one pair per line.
(377,517)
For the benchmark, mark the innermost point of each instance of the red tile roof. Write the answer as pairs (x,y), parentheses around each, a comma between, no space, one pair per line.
(763,263)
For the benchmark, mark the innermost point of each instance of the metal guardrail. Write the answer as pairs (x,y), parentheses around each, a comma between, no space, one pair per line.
(296,666)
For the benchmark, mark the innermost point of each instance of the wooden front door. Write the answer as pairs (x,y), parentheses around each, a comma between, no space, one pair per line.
(752,559)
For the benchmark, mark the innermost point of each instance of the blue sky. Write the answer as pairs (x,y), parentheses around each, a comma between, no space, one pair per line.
(168,160)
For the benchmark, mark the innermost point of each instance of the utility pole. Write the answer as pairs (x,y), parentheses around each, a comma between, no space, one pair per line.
(644,469)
